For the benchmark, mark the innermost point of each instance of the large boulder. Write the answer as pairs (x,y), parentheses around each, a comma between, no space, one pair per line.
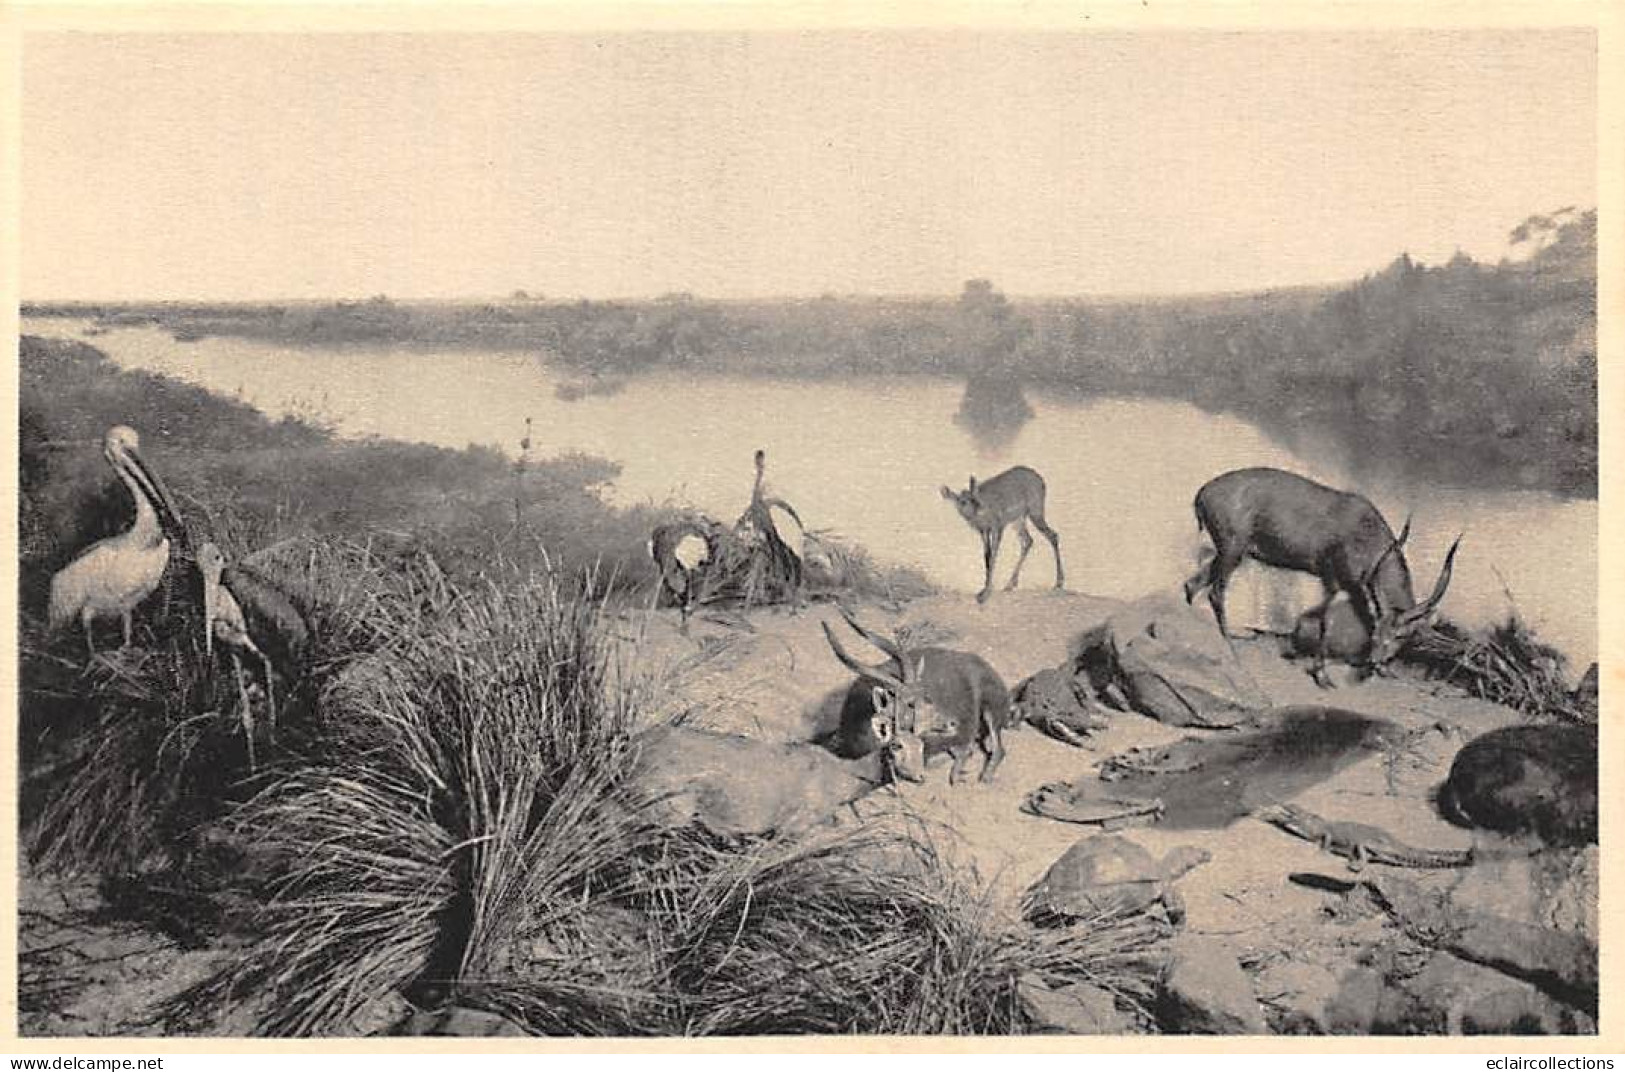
(1072,1009)
(1171,663)
(1205,992)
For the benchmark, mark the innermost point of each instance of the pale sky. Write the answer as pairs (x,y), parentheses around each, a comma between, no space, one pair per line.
(759,164)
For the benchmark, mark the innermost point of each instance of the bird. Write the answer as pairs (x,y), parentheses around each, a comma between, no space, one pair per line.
(112,576)
(249,614)
(757,530)
(682,551)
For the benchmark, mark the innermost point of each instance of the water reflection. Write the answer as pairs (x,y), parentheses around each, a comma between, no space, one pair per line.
(993,410)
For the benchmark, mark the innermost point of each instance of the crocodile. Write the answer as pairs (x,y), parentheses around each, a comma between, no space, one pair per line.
(1360,842)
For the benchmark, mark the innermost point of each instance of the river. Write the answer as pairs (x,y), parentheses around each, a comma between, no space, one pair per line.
(865,458)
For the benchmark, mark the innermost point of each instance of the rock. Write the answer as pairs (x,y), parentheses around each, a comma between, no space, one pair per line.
(381,1015)
(1556,889)
(1522,1011)
(1074,1009)
(1170,663)
(1352,1009)
(1057,702)
(1303,991)
(1455,996)
(1365,1004)
(1205,992)
(463,1022)
(1561,963)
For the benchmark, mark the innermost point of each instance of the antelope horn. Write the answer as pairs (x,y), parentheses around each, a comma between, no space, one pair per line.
(890,647)
(876,673)
(1428,605)
(1371,574)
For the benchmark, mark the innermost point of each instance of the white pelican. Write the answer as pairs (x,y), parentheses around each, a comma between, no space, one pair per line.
(112,576)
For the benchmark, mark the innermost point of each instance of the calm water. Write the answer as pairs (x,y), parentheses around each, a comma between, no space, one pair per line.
(865,459)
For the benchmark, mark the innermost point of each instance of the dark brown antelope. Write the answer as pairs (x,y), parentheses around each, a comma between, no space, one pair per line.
(1013,497)
(1290,522)
(954,700)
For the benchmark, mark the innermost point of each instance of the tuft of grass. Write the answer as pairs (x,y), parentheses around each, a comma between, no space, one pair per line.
(840,568)
(123,757)
(871,931)
(465,832)
(1506,664)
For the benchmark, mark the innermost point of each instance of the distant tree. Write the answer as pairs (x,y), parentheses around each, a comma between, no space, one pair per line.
(990,332)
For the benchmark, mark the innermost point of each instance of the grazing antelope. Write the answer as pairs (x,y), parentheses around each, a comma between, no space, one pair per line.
(683,551)
(1290,522)
(1015,496)
(953,699)
(248,613)
(738,786)
(112,576)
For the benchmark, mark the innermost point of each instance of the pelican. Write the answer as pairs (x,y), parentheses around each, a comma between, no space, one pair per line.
(112,576)
(249,614)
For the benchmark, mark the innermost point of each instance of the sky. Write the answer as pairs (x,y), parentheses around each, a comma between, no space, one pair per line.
(754,164)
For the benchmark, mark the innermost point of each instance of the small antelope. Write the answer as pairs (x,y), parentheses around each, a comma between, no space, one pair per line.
(954,700)
(1015,496)
(682,551)
(1290,522)
(740,787)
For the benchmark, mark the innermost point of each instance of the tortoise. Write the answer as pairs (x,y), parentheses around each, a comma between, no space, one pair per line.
(1106,873)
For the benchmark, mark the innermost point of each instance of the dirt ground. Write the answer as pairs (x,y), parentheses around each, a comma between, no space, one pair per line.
(772,675)
(780,681)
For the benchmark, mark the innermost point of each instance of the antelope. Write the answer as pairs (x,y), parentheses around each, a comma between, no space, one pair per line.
(1015,496)
(738,786)
(954,700)
(112,576)
(683,551)
(1290,522)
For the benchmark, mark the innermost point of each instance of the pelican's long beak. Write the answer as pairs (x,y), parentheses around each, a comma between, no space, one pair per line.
(209,600)
(169,518)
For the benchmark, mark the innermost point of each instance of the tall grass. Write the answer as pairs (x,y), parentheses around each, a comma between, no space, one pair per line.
(1506,664)
(868,931)
(464,828)
(123,755)
(475,835)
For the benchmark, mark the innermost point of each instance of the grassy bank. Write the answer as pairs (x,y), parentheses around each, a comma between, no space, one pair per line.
(250,483)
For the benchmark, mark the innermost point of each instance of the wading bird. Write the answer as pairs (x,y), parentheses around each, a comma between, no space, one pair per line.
(683,551)
(112,576)
(248,613)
